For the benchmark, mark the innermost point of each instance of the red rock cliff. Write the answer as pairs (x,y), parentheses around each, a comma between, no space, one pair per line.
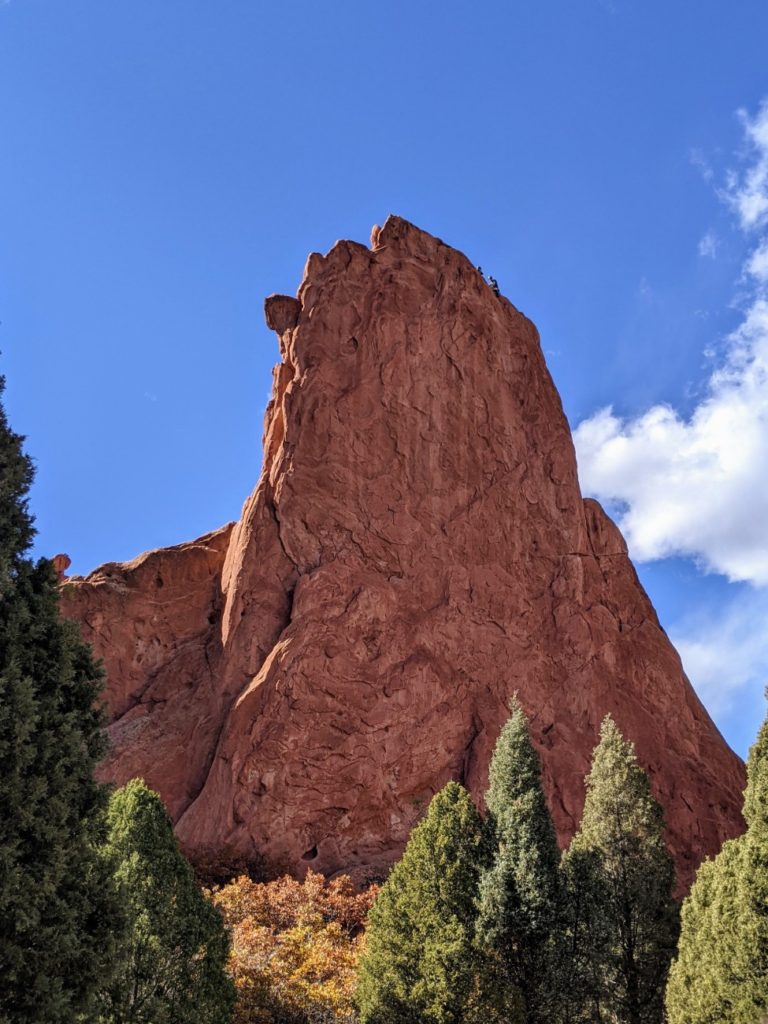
(417,548)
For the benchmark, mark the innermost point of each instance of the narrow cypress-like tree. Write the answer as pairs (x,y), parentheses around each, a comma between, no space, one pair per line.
(622,919)
(173,967)
(701,983)
(58,913)
(752,950)
(721,970)
(519,906)
(419,965)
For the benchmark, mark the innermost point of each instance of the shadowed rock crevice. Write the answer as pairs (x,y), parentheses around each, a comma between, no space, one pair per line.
(416,550)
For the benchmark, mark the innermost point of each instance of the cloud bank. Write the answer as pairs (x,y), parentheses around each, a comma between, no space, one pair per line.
(698,486)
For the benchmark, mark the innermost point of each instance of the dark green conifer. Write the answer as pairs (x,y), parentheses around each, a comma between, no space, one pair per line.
(16,474)
(172,969)
(721,969)
(622,920)
(419,965)
(519,903)
(57,906)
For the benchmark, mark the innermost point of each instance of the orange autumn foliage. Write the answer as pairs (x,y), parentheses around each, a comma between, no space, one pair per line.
(295,948)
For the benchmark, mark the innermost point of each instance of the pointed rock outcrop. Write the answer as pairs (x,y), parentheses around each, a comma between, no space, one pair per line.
(417,549)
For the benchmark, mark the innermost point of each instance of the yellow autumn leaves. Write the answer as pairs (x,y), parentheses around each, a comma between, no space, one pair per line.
(295,947)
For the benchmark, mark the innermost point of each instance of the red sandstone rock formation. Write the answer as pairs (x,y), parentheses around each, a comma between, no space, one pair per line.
(60,565)
(417,548)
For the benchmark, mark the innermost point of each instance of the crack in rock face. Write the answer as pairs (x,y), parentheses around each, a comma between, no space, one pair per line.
(416,550)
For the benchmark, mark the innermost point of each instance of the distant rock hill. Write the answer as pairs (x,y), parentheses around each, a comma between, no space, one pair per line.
(299,684)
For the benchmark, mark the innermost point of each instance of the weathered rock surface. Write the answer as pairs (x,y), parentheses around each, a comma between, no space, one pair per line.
(154,622)
(61,563)
(417,549)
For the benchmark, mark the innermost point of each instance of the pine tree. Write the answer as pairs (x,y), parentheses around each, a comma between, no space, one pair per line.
(622,920)
(172,970)
(519,893)
(58,913)
(721,969)
(419,965)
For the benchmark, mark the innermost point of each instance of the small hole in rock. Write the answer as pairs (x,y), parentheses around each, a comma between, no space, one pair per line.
(310,854)
(159,582)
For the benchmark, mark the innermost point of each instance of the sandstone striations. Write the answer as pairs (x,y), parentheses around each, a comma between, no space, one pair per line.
(417,549)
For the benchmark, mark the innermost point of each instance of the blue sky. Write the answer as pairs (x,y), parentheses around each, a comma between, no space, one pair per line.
(164,166)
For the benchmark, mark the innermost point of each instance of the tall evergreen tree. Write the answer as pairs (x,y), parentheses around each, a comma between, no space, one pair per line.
(701,983)
(419,965)
(57,906)
(172,970)
(721,970)
(519,893)
(752,949)
(16,528)
(622,920)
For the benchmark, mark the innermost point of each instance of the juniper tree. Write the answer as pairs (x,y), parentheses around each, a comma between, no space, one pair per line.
(172,966)
(519,901)
(419,965)
(700,983)
(752,949)
(57,907)
(721,969)
(16,526)
(622,920)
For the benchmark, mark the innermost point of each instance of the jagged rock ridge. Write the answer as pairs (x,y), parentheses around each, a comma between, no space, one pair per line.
(298,685)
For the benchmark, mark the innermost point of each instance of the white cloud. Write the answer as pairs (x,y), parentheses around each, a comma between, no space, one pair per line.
(748,192)
(726,655)
(708,245)
(757,264)
(698,486)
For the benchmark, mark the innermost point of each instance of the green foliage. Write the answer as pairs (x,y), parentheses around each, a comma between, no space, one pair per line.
(700,982)
(57,904)
(172,970)
(721,970)
(16,473)
(752,954)
(519,902)
(419,965)
(622,920)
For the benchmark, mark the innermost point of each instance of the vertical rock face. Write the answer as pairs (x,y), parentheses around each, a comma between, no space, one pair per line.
(154,623)
(417,549)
